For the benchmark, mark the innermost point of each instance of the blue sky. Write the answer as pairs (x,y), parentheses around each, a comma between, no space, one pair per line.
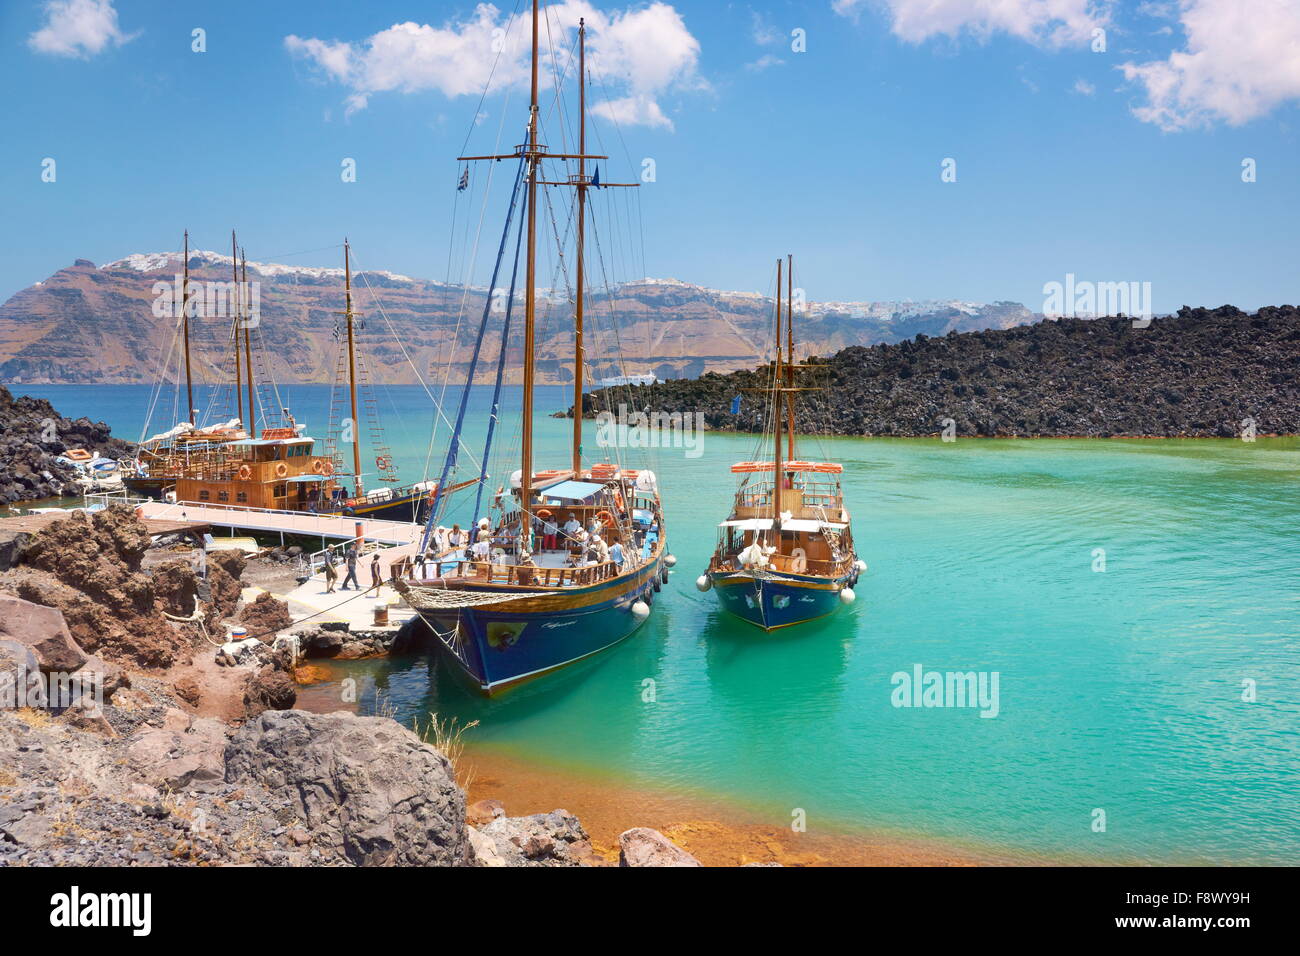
(1115,166)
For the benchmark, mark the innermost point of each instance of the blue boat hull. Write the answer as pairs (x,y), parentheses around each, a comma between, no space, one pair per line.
(497,646)
(777,601)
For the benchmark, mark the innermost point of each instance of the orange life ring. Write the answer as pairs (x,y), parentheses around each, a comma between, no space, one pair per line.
(605,518)
(318,466)
(544,512)
(383,462)
(245,472)
(281,469)
(327,467)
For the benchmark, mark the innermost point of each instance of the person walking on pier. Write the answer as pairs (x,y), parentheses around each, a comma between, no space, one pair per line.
(351,560)
(376,575)
(330,574)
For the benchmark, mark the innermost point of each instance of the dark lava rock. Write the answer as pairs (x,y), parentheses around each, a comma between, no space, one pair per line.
(1202,373)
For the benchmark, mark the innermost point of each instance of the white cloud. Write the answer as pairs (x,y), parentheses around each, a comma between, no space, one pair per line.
(763,32)
(1053,23)
(1084,88)
(637,53)
(77,28)
(763,62)
(1242,60)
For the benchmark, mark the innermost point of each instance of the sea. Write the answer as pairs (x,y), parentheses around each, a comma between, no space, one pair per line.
(1128,609)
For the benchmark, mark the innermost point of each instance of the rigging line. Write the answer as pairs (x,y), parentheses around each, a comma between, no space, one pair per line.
(164,363)
(450,461)
(487,84)
(379,307)
(501,362)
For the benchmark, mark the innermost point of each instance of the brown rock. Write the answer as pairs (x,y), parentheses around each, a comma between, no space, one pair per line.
(266,615)
(180,759)
(187,689)
(642,846)
(269,689)
(484,812)
(43,630)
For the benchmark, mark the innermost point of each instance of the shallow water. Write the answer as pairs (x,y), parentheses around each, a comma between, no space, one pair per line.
(1119,690)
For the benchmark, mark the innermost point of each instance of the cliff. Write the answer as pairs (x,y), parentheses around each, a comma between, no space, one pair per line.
(94,324)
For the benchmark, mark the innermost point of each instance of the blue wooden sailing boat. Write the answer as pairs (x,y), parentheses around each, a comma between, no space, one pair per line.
(785,552)
(569,561)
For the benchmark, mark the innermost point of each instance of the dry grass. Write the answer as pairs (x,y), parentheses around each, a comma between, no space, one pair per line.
(448,738)
(33,717)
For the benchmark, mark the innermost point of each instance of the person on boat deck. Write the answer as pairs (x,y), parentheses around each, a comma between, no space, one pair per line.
(572,527)
(595,527)
(331,575)
(457,538)
(616,554)
(481,550)
(439,539)
(550,534)
(422,561)
(350,559)
(601,548)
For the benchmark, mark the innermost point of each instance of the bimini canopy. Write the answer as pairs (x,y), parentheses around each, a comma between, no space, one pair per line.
(263,442)
(572,490)
(827,467)
(789,524)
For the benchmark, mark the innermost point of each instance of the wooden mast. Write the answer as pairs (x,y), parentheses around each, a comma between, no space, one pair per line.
(185,324)
(530,306)
(582,217)
(234,334)
(248,356)
(776,412)
(789,355)
(352,364)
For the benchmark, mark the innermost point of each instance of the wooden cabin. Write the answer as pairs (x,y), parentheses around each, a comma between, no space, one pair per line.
(278,470)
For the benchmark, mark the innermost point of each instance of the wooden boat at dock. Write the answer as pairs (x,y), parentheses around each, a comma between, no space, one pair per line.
(514,608)
(277,467)
(785,552)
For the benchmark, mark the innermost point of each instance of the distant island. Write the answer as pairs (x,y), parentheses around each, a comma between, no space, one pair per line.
(1202,373)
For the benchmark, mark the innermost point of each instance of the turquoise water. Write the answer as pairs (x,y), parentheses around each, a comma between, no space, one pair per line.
(1120,690)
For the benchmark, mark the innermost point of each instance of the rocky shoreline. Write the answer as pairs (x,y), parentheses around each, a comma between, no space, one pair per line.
(33,435)
(133,733)
(1204,373)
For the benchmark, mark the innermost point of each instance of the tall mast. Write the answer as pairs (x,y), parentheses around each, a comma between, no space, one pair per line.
(234,335)
(582,217)
(789,355)
(530,306)
(248,358)
(352,363)
(185,323)
(776,411)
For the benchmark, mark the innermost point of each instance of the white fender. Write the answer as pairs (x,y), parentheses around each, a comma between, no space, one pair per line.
(847,595)
(860,565)
(640,610)
(702,583)
(670,561)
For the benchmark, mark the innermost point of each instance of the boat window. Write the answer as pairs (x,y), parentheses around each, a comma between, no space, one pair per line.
(223,496)
(241,496)
(205,495)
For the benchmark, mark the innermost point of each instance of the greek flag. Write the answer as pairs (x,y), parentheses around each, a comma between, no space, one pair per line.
(464,181)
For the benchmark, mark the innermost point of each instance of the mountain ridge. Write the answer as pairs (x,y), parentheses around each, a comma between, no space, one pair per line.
(103,324)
